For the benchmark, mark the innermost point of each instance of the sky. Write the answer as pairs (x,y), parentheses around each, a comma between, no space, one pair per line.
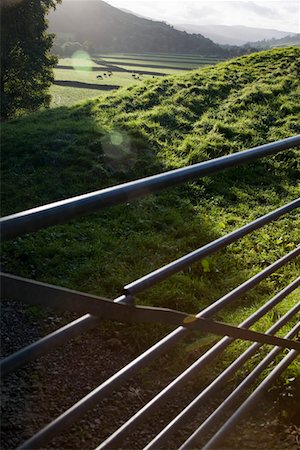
(278,14)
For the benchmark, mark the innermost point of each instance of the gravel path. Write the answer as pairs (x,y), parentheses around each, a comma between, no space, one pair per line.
(39,392)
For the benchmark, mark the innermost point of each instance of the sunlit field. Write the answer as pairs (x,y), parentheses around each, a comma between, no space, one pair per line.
(91,78)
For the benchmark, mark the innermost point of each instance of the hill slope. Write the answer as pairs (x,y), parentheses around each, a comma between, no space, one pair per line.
(111,30)
(286,41)
(232,34)
(159,125)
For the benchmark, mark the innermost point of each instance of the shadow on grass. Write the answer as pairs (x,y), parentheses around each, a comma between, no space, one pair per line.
(79,84)
(65,152)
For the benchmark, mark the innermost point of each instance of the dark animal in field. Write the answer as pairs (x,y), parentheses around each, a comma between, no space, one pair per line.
(100,77)
(136,76)
(105,74)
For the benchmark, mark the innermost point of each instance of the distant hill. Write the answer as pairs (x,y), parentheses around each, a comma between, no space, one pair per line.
(232,35)
(111,30)
(271,43)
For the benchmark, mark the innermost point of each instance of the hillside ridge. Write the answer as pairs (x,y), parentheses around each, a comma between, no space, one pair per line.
(155,126)
(110,29)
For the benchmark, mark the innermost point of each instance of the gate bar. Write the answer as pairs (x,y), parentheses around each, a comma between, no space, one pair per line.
(191,409)
(236,417)
(62,211)
(88,321)
(185,261)
(253,398)
(90,400)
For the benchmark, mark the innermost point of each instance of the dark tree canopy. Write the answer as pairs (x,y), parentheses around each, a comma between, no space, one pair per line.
(26,62)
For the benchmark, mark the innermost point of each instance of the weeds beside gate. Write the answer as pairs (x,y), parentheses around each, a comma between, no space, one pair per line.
(124,309)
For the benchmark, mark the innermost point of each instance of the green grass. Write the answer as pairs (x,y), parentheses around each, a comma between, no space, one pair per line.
(67,96)
(155,126)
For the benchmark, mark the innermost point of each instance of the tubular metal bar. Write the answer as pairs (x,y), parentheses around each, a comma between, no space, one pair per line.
(62,298)
(65,210)
(236,417)
(213,387)
(51,341)
(47,343)
(252,399)
(185,261)
(154,404)
(89,401)
(88,321)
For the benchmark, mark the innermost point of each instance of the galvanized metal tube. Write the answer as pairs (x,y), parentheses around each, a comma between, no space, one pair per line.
(50,342)
(166,271)
(47,343)
(65,210)
(88,321)
(233,397)
(213,387)
(253,398)
(86,403)
(116,438)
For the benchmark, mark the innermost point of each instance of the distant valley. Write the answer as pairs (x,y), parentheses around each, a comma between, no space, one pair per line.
(110,29)
(233,35)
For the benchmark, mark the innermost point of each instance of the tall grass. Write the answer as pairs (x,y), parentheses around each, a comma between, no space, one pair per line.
(160,125)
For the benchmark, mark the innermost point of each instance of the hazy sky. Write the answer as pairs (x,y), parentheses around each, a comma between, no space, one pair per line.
(279,14)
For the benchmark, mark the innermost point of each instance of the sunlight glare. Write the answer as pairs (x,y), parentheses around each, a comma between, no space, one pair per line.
(81,61)
(116,138)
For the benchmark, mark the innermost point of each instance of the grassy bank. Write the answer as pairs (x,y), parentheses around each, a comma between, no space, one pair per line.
(121,66)
(158,125)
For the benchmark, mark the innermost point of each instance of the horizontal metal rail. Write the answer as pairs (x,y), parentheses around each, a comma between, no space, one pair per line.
(254,397)
(65,210)
(184,262)
(88,321)
(123,308)
(32,292)
(218,383)
(90,400)
(194,369)
(233,397)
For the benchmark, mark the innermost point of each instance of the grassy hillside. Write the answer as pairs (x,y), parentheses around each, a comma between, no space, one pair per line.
(109,29)
(155,126)
(86,70)
(286,41)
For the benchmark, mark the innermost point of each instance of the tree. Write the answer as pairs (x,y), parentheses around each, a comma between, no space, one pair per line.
(26,62)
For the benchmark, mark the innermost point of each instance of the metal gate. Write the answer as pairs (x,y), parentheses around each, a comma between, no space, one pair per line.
(123,308)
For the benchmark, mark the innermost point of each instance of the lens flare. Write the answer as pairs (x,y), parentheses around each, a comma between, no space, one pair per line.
(116,138)
(119,152)
(81,61)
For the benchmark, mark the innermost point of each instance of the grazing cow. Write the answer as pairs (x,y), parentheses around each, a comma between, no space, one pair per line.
(100,77)
(104,74)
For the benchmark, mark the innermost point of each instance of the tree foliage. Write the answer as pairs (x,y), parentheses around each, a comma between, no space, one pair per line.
(26,62)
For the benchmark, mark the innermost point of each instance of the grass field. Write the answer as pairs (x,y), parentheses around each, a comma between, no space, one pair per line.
(122,66)
(161,124)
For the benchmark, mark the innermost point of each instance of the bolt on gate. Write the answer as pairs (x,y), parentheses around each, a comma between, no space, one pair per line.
(124,309)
